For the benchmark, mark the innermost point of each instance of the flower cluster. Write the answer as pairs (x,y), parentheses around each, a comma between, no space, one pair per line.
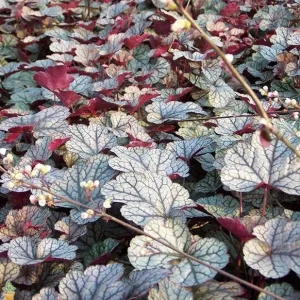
(169,4)
(264,91)
(42,199)
(8,159)
(107,203)
(88,214)
(89,185)
(271,95)
(180,24)
(18,174)
(295,115)
(291,102)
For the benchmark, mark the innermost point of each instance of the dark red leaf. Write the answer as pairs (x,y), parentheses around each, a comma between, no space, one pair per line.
(95,106)
(88,26)
(15,132)
(143,78)
(54,78)
(68,98)
(161,50)
(236,49)
(142,100)
(120,79)
(162,27)
(57,143)
(23,56)
(68,5)
(18,199)
(235,226)
(161,128)
(247,129)
(101,260)
(229,9)
(136,143)
(135,40)
(178,96)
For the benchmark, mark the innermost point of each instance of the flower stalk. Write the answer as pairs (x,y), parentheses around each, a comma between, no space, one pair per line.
(268,127)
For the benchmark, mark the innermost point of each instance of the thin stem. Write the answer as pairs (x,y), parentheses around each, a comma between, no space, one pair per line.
(224,273)
(106,216)
(103,214)
(265,200)
(241,204)
(234,116)
(268,125)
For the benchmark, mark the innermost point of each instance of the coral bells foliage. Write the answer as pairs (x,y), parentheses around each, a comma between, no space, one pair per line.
(119,109)
(54,78)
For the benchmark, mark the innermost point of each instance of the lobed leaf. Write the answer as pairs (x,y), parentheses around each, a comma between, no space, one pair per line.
(167,290)
(248,167)
(96,282)
(26,250)
(276,248)
(71,230)
(159,112)
(88,141)
(96,168)
(219,290)
(147,195)
(283,290)
(145,253)
(140,160)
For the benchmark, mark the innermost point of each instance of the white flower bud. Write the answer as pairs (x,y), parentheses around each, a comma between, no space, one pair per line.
(90,212)
(19,176)
(169,4)
(38,166)
(180,24)
(295,115)
(87,214)
(34,173)
(107,203)
(83,184)
(293,102)
(33,199)
(28,169)
(42,200)
(84,215)
(8,159)
(2,151)
(287,101)
(265,88)
(229,57)
(96,183)
(262,92)
(10,185)
(275,94)
(90,185)
(45,169)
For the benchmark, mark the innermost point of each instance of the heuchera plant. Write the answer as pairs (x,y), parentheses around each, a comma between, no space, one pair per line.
(134,165)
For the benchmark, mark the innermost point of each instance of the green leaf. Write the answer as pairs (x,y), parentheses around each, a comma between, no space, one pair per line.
(145,253)
(276,249)
(283,290)
(99,249)
(218,290)
(148,196)
(220,206)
